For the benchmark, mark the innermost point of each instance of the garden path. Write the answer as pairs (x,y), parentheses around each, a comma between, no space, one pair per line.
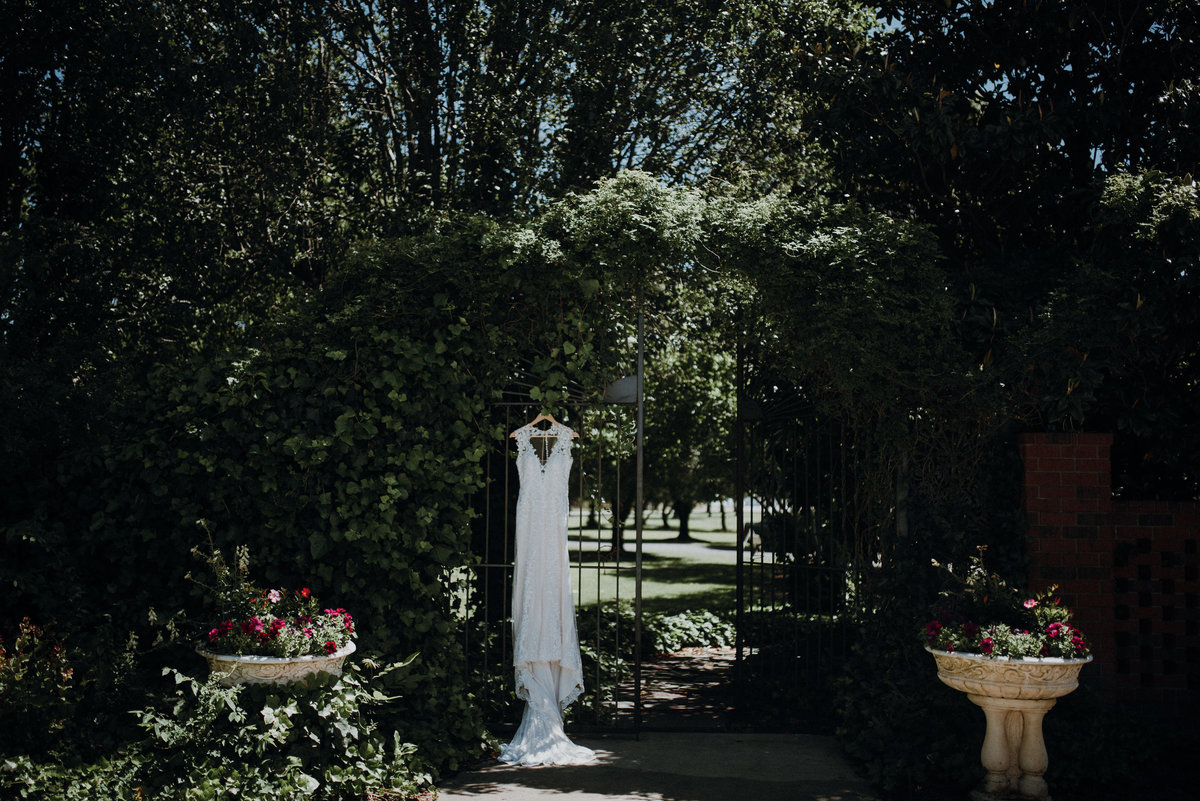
(688,751)
(686,691)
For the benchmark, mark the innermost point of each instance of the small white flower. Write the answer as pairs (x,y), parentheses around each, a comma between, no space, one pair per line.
(273,596)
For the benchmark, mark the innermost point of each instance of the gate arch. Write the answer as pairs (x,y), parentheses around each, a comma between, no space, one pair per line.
(816,295)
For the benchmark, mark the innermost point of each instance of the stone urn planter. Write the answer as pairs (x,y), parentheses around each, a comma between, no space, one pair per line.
(1015,694)
(238,669)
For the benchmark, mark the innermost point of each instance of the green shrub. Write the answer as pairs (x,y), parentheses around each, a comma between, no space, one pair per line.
(665,634)
(320,739)
(37,688)
(345,451)
(912,736)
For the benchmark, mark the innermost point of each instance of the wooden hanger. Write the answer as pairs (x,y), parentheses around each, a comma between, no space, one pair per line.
(543,416)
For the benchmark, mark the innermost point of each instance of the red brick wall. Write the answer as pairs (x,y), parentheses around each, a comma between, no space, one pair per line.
(1127,568)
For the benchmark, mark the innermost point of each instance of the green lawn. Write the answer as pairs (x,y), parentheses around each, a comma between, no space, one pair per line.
(675,575)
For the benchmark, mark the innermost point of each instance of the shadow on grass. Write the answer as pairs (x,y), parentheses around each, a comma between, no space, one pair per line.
(715,600)
(672,585)
(683,572)
(588,555)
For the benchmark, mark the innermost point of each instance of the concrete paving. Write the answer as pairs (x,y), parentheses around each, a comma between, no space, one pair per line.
(678,766)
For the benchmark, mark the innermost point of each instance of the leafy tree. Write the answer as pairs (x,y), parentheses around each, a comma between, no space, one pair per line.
(1002,127)
(497,106)
(991,120)
(690,404)
(1114,345)
(168,185)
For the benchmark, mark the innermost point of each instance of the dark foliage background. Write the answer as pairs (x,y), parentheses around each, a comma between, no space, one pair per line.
(266,264)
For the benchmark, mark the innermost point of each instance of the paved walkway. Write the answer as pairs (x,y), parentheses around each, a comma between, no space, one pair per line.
(678,766)
(689,754)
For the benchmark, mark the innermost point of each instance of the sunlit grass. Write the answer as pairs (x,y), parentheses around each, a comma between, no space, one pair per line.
(675,575)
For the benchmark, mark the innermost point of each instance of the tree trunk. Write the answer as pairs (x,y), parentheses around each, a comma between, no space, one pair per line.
(683,511)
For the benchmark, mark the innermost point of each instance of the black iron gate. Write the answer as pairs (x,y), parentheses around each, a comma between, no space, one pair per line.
(799,567)
(800,560)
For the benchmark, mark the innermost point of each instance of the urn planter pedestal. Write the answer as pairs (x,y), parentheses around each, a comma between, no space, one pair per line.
(239,669)
(1015,694)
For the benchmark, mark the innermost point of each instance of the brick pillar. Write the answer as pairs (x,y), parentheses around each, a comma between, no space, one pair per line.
(1067,492)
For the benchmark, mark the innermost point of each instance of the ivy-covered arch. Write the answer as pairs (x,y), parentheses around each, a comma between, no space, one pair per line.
(346,447)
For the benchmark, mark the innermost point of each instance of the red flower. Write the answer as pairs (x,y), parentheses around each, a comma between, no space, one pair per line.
(223,628)
(986,646)
(330,646)
(304,592)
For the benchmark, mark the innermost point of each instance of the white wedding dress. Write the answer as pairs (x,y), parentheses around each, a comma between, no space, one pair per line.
(545,642)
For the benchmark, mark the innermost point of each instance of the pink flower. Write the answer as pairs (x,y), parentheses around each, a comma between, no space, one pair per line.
(1054,630)
(252,626)
(274,596)
(1032,602)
